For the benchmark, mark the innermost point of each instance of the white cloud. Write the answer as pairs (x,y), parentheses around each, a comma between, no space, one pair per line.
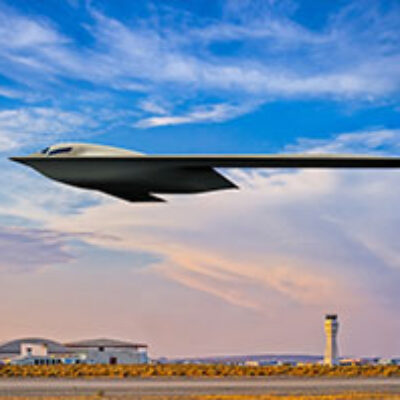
(145,54)
(27,250)
(372,141)
(20,32)
(148,55)
(7,92)
(152,107)
(213,113)
(343,60)
(34,125)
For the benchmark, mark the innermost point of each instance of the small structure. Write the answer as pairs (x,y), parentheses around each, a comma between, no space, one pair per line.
(331,348)
(349,361)
(32,351)
(388,361)
(109,351)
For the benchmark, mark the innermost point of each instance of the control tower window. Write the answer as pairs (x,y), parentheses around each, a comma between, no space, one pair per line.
(60,150)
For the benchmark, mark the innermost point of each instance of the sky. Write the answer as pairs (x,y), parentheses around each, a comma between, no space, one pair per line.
(237,272)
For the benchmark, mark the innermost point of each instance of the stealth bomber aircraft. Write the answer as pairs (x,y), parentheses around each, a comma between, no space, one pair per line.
(137,177)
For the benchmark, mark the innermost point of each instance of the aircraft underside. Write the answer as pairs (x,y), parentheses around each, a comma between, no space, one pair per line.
(138,184)
(174,181)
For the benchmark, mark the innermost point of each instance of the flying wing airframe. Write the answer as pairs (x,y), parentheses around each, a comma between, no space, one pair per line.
(137,177)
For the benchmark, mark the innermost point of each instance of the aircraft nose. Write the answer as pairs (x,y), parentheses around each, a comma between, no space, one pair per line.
(21,160)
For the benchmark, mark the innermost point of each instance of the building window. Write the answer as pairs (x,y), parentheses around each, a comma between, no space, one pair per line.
(101,348)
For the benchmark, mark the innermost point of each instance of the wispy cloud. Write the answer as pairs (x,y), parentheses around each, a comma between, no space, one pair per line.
(27,250)
(213,113)
(7,92)
(19,32)
(148,55)
(153,107)
(341,61)
(367,142)
(27,125)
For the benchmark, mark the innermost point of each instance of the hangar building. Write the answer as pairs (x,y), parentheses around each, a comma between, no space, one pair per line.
(40,351)
(109,351)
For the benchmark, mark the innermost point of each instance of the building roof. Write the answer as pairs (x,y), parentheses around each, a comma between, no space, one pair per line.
(103,343)
(13,346)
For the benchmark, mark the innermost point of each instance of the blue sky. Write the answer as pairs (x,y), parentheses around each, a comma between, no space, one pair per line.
(243,76)
(205,77)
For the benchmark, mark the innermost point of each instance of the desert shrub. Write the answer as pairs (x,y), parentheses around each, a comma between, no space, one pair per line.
(191,370)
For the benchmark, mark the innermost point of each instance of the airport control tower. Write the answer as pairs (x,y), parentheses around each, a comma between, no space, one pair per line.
(331,348)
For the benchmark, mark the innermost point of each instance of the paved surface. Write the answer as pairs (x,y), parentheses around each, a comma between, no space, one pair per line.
(182,386)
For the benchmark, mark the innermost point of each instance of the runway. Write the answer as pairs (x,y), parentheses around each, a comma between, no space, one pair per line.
(185,386)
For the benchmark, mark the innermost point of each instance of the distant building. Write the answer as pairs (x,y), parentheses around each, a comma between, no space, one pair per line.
(32,351)
(251,363)
(349,361)
(249,360)
(108,351)
(39,351)
(331,348)
(389,361)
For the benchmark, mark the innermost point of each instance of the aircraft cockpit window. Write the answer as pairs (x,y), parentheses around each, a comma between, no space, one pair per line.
(60,150)
(44,151)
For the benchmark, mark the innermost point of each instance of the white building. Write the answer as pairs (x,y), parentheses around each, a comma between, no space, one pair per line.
(39,351)
(32,351)
(331,348)
(109,351)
